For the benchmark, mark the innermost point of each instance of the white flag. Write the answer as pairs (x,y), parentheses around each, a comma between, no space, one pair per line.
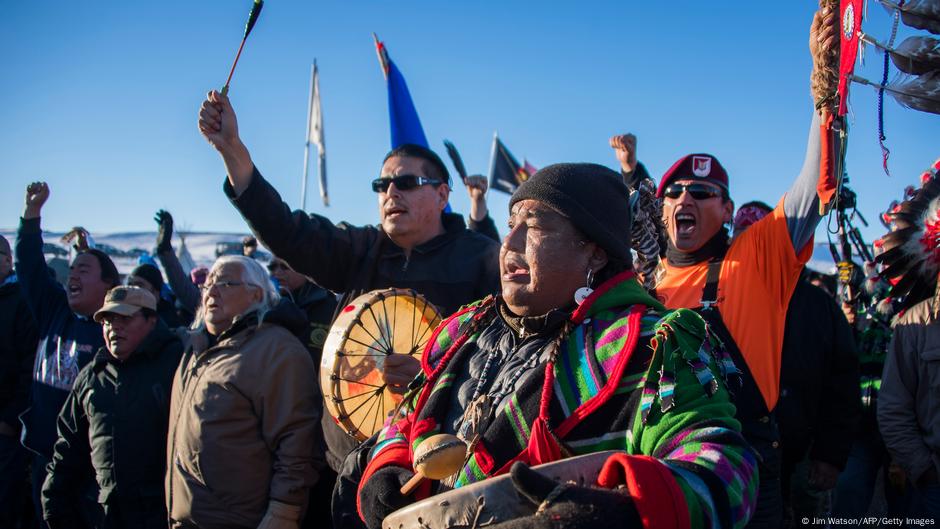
(315,132)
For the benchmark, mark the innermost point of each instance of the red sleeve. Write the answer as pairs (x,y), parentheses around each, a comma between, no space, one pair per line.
(658,499)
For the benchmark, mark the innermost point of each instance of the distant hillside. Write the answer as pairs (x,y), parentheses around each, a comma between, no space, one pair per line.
(201,245)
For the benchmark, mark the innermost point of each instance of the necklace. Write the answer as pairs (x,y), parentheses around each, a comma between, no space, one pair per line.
(482,405)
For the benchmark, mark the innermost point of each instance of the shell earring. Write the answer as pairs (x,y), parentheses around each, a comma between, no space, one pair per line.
(582,293)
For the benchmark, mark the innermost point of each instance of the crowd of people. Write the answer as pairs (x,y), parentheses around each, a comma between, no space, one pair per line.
(738,391)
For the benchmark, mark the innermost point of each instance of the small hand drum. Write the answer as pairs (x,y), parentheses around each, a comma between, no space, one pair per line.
(375,325)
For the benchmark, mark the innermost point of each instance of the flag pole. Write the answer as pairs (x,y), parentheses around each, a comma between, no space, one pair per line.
(303,184)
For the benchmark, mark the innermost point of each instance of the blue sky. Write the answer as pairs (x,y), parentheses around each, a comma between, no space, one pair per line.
(100,99)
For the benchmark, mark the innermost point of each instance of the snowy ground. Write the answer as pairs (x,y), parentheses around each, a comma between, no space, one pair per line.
(201,246)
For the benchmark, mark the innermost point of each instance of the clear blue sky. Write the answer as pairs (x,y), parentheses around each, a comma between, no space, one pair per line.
(100,99)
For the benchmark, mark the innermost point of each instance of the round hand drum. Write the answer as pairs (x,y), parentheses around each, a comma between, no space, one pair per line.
(375,325)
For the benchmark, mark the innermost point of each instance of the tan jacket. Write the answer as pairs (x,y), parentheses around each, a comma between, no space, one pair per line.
(243,421)
(909,400)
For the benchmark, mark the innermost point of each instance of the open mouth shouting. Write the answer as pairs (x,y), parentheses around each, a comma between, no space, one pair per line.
(685,223)
(74,289)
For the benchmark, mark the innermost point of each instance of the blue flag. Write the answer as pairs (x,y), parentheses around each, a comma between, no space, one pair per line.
(403,119)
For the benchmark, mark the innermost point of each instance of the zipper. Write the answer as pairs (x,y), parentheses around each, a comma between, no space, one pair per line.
(186,378)
(404,267)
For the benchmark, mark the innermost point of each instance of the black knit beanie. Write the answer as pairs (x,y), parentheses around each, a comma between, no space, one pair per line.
(591,196)
(150,273)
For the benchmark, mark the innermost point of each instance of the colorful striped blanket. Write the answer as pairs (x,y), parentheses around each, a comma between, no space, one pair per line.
(630,376)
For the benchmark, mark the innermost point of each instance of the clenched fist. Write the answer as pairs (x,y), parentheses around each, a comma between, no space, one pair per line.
(36,195)
(624,147)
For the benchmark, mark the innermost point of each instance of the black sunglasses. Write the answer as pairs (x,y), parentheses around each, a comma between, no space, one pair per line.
(698,191)
(405,182)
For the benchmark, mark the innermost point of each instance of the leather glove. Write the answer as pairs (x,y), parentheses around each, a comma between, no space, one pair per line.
(560,505)
(381,495)
(165,232)
(281,516)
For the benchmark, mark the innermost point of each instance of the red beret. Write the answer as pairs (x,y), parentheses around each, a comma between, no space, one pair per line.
(697,167)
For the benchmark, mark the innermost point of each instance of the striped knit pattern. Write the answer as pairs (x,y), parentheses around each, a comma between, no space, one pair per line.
(704,449)
(585,364)
(513,412)
(470,473)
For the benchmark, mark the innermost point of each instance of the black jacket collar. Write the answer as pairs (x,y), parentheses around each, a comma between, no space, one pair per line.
(454,226)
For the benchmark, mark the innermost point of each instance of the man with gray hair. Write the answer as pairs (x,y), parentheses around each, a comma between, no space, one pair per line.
(244,389)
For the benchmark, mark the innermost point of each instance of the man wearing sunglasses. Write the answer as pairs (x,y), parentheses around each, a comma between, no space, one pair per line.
(742,288)
(416,245)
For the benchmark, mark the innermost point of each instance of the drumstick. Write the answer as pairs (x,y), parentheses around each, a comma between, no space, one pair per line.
(437,457)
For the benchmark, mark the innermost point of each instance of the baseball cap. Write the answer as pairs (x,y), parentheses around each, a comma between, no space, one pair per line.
(126,301)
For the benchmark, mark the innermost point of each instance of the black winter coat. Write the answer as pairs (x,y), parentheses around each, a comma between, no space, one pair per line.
(114,426)
(319,305)
(18,338)
(451,270)
(819,407)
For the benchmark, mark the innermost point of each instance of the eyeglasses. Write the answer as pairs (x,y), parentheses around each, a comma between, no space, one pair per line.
(405,182)
(698,191)
(223,285)
(274,267)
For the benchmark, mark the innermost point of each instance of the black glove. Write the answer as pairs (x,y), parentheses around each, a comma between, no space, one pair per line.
(165,232)
(569,506)
(381,495)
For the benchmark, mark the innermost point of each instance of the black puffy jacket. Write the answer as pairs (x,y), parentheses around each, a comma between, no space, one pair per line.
(114,426)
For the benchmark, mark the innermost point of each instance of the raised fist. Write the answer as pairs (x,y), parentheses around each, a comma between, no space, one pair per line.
(624,147)
(36,194)
(217,122)
(476,186)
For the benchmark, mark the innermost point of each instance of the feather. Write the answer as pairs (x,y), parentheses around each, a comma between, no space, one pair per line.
(897,239)
(900,265)
(919,14)
(912,249)
(922,14)
(903,219)
(920,92)
(916,55)
(885,307)
(455,158)
(917,92)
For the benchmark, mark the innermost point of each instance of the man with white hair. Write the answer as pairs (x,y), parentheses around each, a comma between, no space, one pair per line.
(243,414)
